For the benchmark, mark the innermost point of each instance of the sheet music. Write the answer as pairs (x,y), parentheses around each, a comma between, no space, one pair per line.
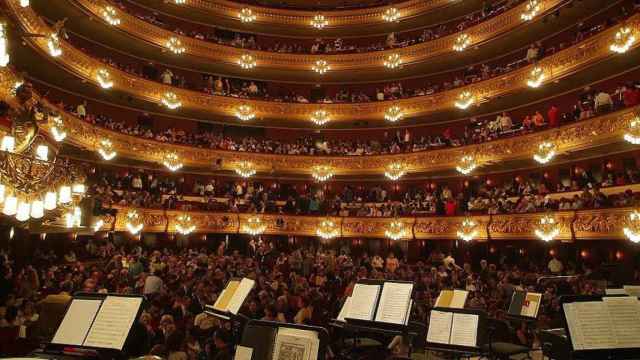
(76,322)
(345,309)
(296,344)
(394,301)
(241,293)
(243,353)
(113,322)
(222,303)
(589,325)
(439,327)
(363,301)
(615,292)
(459,299)
(531,305)
(624,312)
(632,290)
(464,330)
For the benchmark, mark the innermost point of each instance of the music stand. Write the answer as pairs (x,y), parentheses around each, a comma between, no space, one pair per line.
(459,351)
(237,320)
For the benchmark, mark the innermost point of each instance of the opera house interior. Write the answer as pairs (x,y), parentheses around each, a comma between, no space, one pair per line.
(320,179)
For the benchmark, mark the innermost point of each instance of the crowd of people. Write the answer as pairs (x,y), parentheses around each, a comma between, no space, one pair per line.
(518,195)
(296,284)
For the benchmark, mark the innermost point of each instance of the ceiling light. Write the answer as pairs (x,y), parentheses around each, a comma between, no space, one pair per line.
(54,45)
(395,230)
(98,225)
(64,194)
(50,200)
(23,211)
(171,100)
(106,150)
(322,173)
(547,229)
(465,99)
(10,205)
(110,15)
(37,209)
(531,10)
(393,61)
(104,78)
(246,15)
(247,62)
(391,15)
(623,40)
(319,22)
(8,143)
(245,112)
(395,171)
(180,2)
(321,67)
(536,77)
(393,113)
(175,45)
(320,117)
(134,222)
(246,169)
(468,229)
(57,128)
(184,225)
(327,229)
(633,133)
(254,226)
(24,3)
(632,228)
(546,152)
(467,164)
(462,42)
(73,218)
(42,152)
(4,53)
(172,161)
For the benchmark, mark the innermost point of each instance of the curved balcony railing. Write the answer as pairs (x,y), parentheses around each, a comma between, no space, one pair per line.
(572,225)
(585,134)
(478,34)
(556,66)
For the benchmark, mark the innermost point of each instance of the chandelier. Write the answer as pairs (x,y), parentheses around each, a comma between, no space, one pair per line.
(327,229)
(467,164)
(24,3)
(246,15)
(391,15)
(245,112)
(246,169)
(393,113)
(623,40)
(4,54)
(172,161)
(247,62)
(171,101)
(633,133)
(180,2)
(462,42)
(184,225)
(106,150)
(536,77)
(72,218)
(98,225)
(104,78)
(54,45)
(175,45)
(321,67)
(632,228)
(319,21)
(547,229)
(468,229)
(465,99)
(395,171)
(395,230)
(531,10)
(546,152)
(57,128)
(320,117)
(254,226)
(322,173)
(134,222)
(110,16)
(393,61)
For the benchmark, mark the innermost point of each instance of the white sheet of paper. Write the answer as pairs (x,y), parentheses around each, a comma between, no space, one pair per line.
(245,287)
(394,301)
(464,330)
(590,326)
(632,290)
(345,309)
(363,301)
(77,321)
(624,312)
(439,330)
(459,299)
(615,292)
(243,353)
(113,322)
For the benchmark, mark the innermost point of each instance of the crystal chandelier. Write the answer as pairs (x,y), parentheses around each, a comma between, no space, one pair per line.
(98,225)
(104,78)
(320,117)
(462,42)
(106,150)
(327,229)
(57,128)
(391,15)
(319,21)
(321,67)
(172,161)
(246,169)
(467,164)
(134,222)
(180,2)
(393,61)
(53,43)
(247,62)
(73,218)
(546,152)
(24,3)
(633,133)
(632,227)
(531,10)
(395,230)
(536,77)
(246,15)
(184,225)
(245,112)
(175,45)
(322,173)
(468,229)
(110,15)
(393,113)
(4,54)
(623,40)
(547,229)
(465,99)
(171,101)
(254,226)
(395,171)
